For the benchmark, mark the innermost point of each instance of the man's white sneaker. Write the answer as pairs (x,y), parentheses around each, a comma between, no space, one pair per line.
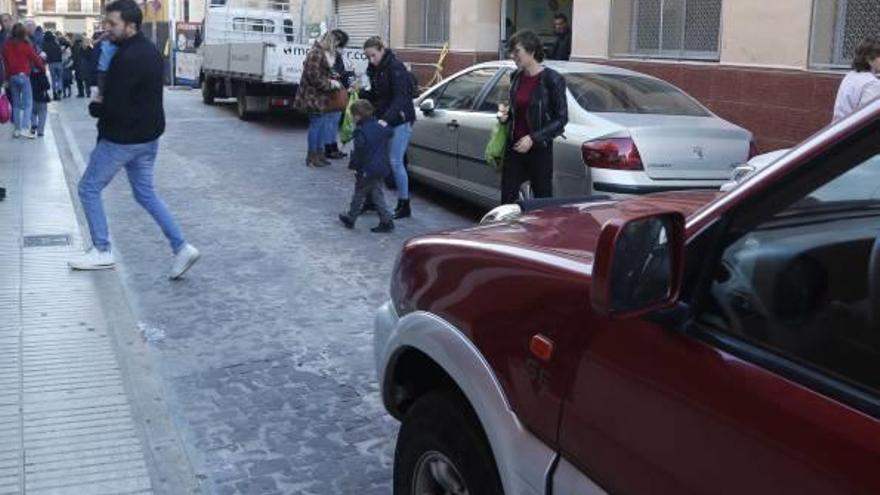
(183,261)
(16,133)
(93,260)
(29,134)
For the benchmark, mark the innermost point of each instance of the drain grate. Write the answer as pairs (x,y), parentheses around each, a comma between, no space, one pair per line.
(46,240)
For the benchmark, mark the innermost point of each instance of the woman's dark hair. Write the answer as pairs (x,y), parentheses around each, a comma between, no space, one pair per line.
(868,50)
(341,38)
(529,41)
(374,42)
(128,11)
(18,32)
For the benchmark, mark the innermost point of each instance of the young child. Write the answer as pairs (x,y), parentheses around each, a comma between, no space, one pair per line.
(370,160)
(40,89)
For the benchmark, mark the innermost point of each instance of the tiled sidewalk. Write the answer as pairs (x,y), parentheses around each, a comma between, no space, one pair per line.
(65,420)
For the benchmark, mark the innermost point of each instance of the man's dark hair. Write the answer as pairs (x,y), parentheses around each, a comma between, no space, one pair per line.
(341,38)
(561,17)
(868,50)
(529,41)
(128,11)
(362,109)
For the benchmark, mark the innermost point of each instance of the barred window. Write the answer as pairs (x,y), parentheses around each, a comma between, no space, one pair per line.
(838,28)
(676,29)
(74,5)
(427,22)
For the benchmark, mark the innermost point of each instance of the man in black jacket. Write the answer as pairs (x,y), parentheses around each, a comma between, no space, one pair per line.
(562,47)
(130,121)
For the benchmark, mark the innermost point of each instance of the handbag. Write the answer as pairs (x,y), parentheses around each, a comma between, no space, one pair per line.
(5,109)
(338,101)
(496,147)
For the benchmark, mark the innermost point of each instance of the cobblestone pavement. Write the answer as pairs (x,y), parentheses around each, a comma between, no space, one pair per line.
(265,348)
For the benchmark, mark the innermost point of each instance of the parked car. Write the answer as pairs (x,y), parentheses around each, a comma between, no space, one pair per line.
(627,133)
(682,342)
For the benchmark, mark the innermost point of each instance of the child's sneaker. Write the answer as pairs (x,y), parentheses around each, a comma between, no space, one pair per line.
(383,228)
(346,220)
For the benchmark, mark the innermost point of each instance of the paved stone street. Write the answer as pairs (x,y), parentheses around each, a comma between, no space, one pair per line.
(265,348)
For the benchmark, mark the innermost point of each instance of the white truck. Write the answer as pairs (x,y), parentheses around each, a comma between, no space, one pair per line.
(249,52)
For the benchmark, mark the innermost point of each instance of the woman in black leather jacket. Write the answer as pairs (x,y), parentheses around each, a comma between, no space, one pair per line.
(537,114)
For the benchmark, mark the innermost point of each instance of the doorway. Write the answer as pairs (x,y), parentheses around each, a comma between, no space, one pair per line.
(536,15)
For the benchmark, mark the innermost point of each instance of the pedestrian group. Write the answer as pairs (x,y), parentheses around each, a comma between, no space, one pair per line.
(37,67)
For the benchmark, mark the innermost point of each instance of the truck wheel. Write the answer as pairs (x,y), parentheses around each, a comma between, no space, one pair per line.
(441,449)
(208,93)
(243,112)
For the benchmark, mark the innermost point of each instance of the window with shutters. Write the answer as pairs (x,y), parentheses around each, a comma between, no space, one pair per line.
(838,28)
(427,22)
(674,29)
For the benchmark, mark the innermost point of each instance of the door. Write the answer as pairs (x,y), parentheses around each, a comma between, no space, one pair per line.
(775,388)
(434,142)
(475,174)
(359,19)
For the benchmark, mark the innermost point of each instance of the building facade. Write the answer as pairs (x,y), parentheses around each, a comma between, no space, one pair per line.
(67,16)
(772,67)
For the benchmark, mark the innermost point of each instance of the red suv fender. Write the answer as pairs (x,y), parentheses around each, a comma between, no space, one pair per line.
(523,461)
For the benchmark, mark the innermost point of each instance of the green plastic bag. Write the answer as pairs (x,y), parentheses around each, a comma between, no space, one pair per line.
(346,132)
(496,147)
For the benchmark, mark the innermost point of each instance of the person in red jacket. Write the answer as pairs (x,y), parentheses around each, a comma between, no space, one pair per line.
(18,59)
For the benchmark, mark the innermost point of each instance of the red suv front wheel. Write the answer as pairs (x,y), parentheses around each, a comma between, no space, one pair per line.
(442,450)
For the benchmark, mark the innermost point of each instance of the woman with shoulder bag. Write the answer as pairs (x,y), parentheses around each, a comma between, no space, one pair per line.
(537,114)
(318,96)
(391,93)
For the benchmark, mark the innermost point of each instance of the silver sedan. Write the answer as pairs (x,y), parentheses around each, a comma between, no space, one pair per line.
(628,133)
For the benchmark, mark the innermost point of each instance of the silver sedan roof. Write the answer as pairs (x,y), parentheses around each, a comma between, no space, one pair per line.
(567,67)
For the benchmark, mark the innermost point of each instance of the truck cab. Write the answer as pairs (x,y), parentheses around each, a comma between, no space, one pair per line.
(248,54)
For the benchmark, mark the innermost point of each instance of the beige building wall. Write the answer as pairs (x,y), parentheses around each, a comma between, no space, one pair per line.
(397,20)
(474,25)
(763,33)
(591,21)
(5,6)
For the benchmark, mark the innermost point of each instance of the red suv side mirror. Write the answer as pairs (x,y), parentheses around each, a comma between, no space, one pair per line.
(639,264)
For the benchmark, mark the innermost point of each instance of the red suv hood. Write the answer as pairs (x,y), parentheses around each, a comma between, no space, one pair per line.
(573,230)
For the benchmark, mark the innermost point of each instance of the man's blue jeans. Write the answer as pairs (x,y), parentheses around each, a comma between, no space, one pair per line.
(138,160)
(22,101)
(396,150)
(57,71)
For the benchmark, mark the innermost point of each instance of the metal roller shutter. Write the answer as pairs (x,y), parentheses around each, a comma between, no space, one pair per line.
(358,18)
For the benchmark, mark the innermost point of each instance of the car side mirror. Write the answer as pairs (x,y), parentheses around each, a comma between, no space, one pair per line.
(427,106)
(638,265)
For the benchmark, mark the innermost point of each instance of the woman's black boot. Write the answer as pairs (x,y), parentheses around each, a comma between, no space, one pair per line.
(402,210)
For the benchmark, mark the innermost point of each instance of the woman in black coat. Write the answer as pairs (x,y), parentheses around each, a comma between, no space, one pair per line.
(537,114)
(82,65)
(391,93)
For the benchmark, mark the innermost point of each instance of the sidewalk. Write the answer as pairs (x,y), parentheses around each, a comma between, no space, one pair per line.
(66,421)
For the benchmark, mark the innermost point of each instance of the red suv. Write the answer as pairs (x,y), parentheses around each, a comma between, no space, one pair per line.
(693,342)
